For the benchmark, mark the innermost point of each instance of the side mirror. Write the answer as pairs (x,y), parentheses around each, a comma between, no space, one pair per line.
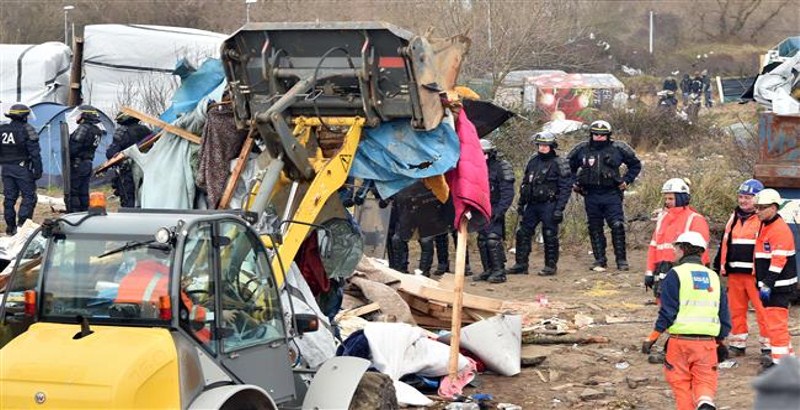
(306,322)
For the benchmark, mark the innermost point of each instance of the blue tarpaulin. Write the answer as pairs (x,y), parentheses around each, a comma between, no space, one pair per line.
(208,80)
(394,155)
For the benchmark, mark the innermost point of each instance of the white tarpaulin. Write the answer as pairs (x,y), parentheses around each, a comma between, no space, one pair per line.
(34,73)
(131,65)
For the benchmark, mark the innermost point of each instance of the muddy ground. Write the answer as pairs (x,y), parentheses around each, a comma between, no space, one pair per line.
(570,370)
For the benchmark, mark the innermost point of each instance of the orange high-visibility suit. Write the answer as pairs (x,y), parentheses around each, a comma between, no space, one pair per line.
(775,268)
(147,282)
(735,260)
(671,223)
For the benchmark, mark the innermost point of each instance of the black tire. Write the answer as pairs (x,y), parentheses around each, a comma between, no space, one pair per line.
(375,391)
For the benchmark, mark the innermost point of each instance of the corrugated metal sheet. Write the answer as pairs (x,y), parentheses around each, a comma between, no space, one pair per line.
(778,163)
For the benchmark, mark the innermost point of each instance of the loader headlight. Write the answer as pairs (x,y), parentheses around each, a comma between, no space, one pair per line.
(164,235)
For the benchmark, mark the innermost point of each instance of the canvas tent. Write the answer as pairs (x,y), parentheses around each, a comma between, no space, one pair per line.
(46,119)
(33,73)
(132,65)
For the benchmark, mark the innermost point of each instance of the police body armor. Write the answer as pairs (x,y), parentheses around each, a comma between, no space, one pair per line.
(541,185)
(84,142)
(13,141)
(600,168)
(500,171)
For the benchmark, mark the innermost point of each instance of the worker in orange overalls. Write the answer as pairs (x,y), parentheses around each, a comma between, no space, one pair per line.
(676,218)
(694,310)
(735,260)
(776,272)
(148,281)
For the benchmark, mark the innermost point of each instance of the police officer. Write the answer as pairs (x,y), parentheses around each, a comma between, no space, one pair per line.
(595,164)
(83,143)
(22,166)
(129,131)
(543,196)
(490,238)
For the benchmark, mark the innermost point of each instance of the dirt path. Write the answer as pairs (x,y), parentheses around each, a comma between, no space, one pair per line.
(570,370)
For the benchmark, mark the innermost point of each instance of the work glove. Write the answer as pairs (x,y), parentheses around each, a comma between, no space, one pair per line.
(623,186)
(764,292)
(722,352)
(558,217)
(37,175)
(647,345)
(578,190)
(649,281)
(348,202)
(383,203)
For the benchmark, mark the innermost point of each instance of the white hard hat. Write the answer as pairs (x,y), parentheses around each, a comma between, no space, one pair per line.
(692,238)
(768,197)
(676,186)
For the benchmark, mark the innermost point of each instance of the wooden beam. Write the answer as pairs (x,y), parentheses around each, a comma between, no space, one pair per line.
(120,156)
(161,124)
(237,171)
(360,311)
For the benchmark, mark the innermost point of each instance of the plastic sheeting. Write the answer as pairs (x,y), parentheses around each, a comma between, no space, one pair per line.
(394,155)
(33,73)
(208,80)
(314,348)
(132,65)
(773,89)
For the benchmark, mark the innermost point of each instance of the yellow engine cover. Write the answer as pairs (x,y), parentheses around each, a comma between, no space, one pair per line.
(115,367)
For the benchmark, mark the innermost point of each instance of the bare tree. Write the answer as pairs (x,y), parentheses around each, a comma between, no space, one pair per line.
(728,19)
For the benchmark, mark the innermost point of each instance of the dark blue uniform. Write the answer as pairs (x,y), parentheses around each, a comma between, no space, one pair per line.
(596,166)
(126,134)
(490,238)
(22,166)
(82,145)
(543,195)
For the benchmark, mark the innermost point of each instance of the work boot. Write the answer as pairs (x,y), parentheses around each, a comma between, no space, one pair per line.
(11,230)
(598,241)
(523,242)
(737,351)
(548,271)
(618,240)
(426,255)
(441,269)
(399,255)
(483,251)
(550,252)
(706,406)
(497,259)
(426,273)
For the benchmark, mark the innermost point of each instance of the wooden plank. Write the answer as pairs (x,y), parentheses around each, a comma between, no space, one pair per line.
(233,179)
(360,311)
(430,322)
(161,124)
(458,300)
(120,156)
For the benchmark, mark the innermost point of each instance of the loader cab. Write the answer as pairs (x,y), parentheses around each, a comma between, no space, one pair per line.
(203,277)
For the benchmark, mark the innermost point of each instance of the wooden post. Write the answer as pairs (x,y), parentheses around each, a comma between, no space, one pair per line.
(120,156)
(237,171)
(76,72)
(458,298)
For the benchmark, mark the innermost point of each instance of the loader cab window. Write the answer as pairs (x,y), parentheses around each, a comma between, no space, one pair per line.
(106,278)
(250,301)
(196,307)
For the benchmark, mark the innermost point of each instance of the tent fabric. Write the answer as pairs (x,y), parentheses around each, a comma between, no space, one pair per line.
(33,73)
(46,119)
(208,80)
(132,65)
(568,96)
(394,155)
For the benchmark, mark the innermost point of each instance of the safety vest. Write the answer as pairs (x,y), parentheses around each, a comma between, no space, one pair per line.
(699,298)
(738,243)
(774,256)
(669,226)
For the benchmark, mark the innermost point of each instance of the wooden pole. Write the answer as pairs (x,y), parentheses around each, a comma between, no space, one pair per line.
(458,298)
(161,124)
(237,171)
(74,97)
(120,156)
